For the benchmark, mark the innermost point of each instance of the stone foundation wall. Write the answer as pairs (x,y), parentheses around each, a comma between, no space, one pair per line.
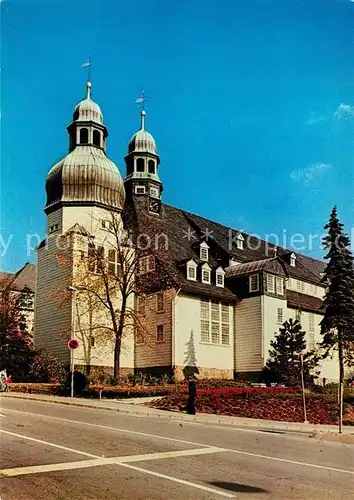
(204,373)
(104,372)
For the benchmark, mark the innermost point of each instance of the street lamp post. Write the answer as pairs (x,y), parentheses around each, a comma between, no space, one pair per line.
(72,351)
(303,386)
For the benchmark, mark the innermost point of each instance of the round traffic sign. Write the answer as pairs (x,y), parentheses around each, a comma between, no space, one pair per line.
(73,344)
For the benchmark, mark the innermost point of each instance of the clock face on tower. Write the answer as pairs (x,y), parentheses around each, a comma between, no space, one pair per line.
(154,205)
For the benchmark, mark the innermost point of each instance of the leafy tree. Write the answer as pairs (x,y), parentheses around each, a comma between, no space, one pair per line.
(284,365)
(337,325)
(16,352)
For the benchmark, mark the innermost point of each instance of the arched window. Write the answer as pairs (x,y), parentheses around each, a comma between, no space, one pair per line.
(96,138)
(151,166)
(140,165)
(84,136)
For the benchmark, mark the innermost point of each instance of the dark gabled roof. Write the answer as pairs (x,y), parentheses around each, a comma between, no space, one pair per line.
(23,278)
(185,231)
(304,302)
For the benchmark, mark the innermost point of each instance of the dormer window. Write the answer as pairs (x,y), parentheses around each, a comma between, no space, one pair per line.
(191,270)
(206,271)
(154,192)
(204,251)
(220,277)
(293,260)
(239,241)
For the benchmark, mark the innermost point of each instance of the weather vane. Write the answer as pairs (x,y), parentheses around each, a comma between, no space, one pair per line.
(142,100)
(88,65)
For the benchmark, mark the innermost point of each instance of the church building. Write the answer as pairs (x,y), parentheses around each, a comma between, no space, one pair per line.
(229,292)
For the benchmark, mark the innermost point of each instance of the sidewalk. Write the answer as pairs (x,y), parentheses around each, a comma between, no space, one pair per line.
(134,407)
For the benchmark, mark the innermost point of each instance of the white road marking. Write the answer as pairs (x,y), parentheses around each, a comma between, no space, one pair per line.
(49,444)
(256,455)
(181,481)
(83,464)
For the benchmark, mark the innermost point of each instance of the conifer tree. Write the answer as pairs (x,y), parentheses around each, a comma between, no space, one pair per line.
(190,361)
(337,325)
(284,365)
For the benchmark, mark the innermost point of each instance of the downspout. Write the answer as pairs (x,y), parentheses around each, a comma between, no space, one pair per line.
(262,322)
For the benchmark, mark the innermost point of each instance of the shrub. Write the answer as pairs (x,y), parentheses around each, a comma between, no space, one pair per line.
(46,368)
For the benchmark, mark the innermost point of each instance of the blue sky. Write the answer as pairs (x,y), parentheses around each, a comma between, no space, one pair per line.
(252,105)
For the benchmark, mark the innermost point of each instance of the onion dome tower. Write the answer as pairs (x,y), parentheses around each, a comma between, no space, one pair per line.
(142,161)
(85,176)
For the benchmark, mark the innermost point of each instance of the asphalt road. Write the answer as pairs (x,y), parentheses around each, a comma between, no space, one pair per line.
(50,451)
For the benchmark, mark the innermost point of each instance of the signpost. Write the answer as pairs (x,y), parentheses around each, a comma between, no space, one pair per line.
(72,345)
(303,386)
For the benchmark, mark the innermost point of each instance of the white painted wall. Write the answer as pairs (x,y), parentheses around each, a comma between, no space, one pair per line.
(271,326)
(187,318)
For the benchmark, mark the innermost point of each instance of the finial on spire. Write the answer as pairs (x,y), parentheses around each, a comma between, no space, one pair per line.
(142,123)
(88,90)
(275,251)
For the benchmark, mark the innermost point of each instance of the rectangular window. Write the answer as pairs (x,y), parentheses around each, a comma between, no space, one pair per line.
(311,322)
(160,302)
(298,315)
(203,253)
(219,279)
(254,283)
(205,276)
(215,332)
(92,341)
(289,284)
(225,324)
(191,272)
(280,316)
(154,192)
(146,264)
(107,224)
(214,322)
(280,286)
(99,260)
(139,189)
(160,337)
(270,283)
(53,228)
(111,261)
(91,258)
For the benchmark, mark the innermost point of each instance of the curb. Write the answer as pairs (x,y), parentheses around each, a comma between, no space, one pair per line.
(314,431)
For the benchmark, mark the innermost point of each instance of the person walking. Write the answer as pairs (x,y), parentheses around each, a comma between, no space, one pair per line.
(192,392)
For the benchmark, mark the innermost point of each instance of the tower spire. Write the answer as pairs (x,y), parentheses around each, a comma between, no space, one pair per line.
(142,122)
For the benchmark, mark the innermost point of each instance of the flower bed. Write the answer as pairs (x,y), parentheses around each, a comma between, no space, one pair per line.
(261,403)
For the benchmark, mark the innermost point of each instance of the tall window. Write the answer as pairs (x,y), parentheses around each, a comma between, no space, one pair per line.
(160,334)
(298,315)
(140,165)
(204,251)
(84,136)
(151,166)
(270,283)
(206,274)
(280,286)
(114,263)
(96,138)
(220,277)
(160,302)
(214,323)
(254,283)
(280,316)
